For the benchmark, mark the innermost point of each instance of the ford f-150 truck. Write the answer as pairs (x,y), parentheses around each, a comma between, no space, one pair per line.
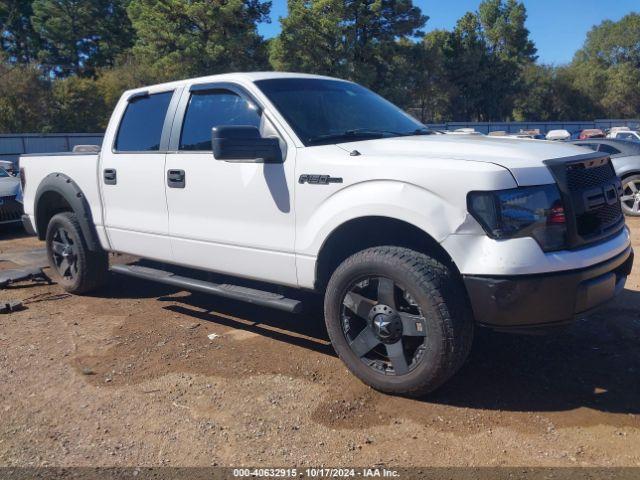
(314,183)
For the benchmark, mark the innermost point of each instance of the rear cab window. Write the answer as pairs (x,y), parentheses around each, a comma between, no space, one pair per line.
(141,125)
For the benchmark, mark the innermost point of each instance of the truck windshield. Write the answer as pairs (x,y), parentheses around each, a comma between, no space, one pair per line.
(332,111)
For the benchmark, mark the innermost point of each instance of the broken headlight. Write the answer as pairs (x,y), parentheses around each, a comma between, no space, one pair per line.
(536,212)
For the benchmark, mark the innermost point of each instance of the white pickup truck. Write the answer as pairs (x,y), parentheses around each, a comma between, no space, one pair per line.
(309,182)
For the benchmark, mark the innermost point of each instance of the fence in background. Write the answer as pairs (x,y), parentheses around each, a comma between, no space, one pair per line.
(544,127)
(14,145)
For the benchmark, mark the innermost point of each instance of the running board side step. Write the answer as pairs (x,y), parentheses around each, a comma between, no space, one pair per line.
(235,292)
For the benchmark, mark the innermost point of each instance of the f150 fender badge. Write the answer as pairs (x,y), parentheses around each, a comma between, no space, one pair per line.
(318,179)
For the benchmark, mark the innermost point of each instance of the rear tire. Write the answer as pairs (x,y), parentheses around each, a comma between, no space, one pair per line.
(78,269)
(417,331)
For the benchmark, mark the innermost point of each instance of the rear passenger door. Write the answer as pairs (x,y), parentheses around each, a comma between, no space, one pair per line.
(132,175)
(233,217)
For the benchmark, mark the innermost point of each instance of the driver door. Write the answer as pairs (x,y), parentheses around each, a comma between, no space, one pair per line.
(232,217)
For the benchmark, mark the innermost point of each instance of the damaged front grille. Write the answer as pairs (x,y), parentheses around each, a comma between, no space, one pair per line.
(591,193)
(579,176)
(600,220)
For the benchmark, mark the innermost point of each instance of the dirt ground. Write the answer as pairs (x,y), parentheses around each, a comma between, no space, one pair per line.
(129,377)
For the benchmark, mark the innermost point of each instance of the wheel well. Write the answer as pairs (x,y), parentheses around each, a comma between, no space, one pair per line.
(362,233)
(629,174)
(49,204)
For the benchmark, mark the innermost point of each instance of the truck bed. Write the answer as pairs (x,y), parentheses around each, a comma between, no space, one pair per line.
(81,167)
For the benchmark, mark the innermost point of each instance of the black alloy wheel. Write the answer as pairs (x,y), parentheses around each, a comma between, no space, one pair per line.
(64,251)
(384,325)
(77,268)
(399,319)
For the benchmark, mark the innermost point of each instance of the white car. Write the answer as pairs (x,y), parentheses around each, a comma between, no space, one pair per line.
(624,133)
(462,131)
(560,134)
(318,184)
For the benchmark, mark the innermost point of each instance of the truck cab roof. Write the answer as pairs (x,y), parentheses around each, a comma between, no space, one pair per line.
(240,77)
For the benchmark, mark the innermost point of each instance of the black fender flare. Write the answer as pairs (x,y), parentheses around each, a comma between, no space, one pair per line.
(72,194)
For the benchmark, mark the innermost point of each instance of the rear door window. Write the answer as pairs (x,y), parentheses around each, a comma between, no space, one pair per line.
(213,108)
(141,126)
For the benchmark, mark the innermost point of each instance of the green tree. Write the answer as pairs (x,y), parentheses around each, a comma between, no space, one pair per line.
(354,39)
(311,39)
(606,68)
(78,106)
(509,51)
(613,43)
(549,94)
(80,36)
(622,95)
(538,103)
(427,89)
(199,37)
(25,99)
(486,55)
(572,103)
(127,74)
(17,38)
(503,26)
(467,66)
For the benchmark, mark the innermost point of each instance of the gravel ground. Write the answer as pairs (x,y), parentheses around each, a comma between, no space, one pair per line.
(130,377)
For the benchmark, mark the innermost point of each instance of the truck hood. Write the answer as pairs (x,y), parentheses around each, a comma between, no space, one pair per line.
(522,157)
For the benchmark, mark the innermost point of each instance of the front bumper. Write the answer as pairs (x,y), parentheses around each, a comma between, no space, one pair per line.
(523,302)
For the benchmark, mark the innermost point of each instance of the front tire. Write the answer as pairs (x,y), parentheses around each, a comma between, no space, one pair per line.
(400,320)
(78,269)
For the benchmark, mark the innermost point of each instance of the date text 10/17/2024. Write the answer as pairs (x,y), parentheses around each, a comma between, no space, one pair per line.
(316,472)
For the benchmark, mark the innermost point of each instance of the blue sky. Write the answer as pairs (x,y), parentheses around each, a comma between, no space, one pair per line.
(558,27)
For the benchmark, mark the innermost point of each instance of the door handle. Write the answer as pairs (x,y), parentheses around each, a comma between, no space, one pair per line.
(110,176)
(175,178)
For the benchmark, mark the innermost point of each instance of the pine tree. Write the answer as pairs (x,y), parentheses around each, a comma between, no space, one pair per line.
(354,39)
(184,38)
(80,36)
(17,38)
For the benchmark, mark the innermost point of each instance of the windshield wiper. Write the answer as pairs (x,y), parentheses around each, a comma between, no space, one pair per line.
(351,134)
